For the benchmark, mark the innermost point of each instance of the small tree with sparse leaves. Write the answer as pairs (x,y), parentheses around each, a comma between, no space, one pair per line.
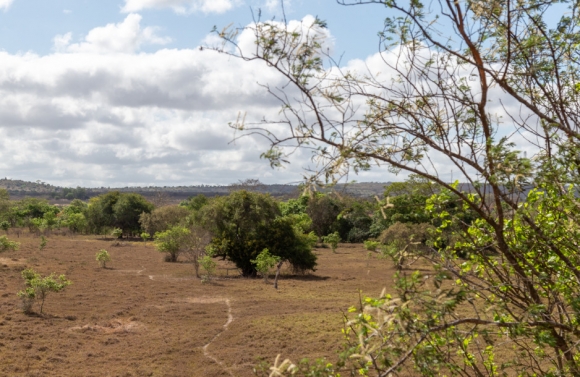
(117,233)
(371,245)
(103,257)
(332,240)
(265,262)
(38,287)
(208,264)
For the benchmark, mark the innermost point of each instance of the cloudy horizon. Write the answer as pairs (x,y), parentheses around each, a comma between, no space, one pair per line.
(118,93)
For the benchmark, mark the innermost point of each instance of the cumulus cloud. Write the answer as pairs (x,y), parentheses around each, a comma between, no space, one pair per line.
(124,37)
(274,6)
(93,116)
(5,4)
(101,113)
(182,6)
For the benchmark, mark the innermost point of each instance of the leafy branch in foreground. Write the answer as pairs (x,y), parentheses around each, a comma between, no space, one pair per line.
(468,86)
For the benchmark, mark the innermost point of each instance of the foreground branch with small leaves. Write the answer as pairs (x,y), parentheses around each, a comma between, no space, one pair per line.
(468,86)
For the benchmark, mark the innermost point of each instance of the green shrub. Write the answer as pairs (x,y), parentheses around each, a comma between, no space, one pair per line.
(6,244)
(371,245)
(171,242)
(332,240)
(38,287)
(117,233)
(264,262)
(145,236)
(4,225)
(208,264)
(103,257)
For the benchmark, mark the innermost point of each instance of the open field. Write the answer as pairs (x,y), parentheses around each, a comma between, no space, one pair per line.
(145,317)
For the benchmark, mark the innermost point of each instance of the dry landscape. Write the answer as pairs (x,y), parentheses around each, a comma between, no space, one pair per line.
(144,317)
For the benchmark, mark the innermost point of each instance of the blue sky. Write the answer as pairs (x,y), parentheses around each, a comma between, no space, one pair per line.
(30,25)
(116,93)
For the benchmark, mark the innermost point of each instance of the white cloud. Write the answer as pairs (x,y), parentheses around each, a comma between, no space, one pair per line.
(101,113)
(182,6)
(274,6)
(125,37)
(95,117)
(5,4)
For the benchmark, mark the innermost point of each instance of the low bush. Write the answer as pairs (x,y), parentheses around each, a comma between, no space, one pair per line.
(103,257)
(332,240)
(371,245)
(208,265)
(6,244)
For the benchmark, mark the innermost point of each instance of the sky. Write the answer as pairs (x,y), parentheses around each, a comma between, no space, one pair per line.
(117,92)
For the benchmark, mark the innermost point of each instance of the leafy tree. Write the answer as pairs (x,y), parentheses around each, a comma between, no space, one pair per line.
(354,222)
(194,203)
(371,245)
(460,83)
(245,223)
(119,210)
(208,265)
(100,212)
(5,225)
(117,233)
(163,218)
(332,239)
(34,213)
(323,210)
(127,211)
(38,287)
(4,194)
(265,262)
(294,206)
(4,205)
(76,222)
(171,242)
(195,247)
(103,257)
(73,193)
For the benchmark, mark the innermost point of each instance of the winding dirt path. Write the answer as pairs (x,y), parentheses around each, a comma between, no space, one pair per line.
(209,300)
(206,353)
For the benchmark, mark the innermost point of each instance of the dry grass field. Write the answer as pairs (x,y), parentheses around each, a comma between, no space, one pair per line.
(144,317)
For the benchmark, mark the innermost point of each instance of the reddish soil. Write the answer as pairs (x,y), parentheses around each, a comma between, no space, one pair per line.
(144,317)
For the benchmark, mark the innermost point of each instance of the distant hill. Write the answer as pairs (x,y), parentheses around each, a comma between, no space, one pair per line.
(19,189)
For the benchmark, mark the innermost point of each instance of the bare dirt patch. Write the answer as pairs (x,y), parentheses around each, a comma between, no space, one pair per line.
(144,317)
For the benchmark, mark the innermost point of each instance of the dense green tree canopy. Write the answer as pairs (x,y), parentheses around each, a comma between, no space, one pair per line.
(119,210)
(245,223)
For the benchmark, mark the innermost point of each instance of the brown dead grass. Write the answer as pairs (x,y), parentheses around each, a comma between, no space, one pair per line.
(144,317)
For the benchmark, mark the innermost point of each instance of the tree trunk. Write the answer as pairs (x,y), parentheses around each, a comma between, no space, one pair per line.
(277,274)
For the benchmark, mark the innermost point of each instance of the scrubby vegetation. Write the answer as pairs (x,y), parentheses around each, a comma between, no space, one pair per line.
(38,287)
